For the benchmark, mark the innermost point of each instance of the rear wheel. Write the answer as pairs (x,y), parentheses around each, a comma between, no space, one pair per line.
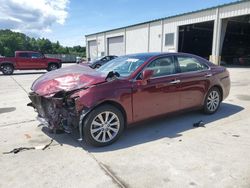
(103,126)
(7,69)
(52,67)
(212,101)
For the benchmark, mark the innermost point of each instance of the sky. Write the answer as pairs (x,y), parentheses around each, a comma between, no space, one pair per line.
(68,21)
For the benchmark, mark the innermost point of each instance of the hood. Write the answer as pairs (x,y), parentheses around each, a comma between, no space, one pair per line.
(67,79)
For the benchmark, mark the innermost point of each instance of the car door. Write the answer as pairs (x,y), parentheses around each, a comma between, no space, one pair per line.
(38,61)
(24,60)
(160,94)
(194,77)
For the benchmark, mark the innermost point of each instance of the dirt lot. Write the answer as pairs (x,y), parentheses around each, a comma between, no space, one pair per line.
(166,152)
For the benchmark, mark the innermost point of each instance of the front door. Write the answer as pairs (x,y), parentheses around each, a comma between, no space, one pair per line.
(160,94)
(38,61)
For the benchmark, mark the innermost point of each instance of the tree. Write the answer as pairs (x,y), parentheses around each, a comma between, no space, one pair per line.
(12,41)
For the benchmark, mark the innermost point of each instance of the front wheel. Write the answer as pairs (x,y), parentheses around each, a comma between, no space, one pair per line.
(7,69)
(103,126)
(212,101)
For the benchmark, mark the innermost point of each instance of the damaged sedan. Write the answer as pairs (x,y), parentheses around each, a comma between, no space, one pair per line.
(100,103)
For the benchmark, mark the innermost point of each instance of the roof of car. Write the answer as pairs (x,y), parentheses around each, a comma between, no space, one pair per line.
(151,54)
(26,52)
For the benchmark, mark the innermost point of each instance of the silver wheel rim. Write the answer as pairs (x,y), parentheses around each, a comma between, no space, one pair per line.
(213,101)
(53,67)
(7,69)
(105,126)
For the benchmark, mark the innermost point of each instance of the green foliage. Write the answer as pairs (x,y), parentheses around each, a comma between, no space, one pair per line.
(13,41)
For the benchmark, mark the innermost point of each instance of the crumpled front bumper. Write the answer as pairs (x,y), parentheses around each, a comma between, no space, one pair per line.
(54,113)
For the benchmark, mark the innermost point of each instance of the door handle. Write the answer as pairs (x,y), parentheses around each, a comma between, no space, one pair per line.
(175,82)
(208,75)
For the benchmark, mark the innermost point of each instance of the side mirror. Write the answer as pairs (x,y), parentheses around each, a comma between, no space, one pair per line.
(147,74)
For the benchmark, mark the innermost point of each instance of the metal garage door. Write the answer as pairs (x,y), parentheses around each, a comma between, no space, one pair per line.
(92,49)
(116,46)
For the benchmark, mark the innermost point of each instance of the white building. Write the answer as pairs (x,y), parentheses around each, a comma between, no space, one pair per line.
(217,32)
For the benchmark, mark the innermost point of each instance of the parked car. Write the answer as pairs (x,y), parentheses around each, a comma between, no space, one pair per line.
(26,60)
(98,62)
(102,102)
(245,60)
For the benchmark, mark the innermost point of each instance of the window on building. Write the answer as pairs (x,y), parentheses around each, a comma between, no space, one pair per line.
(169,39)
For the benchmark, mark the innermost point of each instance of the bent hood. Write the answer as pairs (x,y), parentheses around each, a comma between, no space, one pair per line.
(66,79)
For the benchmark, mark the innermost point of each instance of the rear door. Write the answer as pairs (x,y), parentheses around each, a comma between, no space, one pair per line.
(160,94)
(24,60)
(194,79)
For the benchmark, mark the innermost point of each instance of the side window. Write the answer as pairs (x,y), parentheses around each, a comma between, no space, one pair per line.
(104,59)
(36,55)
(24,55)
(190,64)
(162,66)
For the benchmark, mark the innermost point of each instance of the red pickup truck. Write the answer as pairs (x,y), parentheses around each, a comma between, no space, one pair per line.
(27,60)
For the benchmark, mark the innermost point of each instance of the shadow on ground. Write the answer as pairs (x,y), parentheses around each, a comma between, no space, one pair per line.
(7,110)
(170,127)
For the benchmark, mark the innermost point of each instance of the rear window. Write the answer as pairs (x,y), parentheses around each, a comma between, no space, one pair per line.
(24,55)
(190,64)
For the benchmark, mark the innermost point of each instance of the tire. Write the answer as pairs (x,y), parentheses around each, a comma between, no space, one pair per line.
(212,101)
(52,66)
(7,69)
(99,133)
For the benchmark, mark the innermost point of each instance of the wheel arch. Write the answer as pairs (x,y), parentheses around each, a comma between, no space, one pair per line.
(107,102)
(213,86)
(220,89)
(86,112)
(49,63)
(7,63)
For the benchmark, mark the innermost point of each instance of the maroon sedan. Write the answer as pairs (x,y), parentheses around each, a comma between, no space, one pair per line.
(128,89)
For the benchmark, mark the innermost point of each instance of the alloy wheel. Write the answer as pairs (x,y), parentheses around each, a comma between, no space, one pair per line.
(7,70)
(53,67)
(213,101)
(105,126)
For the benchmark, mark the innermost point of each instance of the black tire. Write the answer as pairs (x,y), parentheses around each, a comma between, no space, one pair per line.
(7,69)
(91,135)
(52,66)
(208,107)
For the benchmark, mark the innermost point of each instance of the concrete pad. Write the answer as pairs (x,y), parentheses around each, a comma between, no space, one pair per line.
(61,165)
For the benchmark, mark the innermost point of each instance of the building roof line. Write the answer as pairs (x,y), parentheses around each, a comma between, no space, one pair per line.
(169,17)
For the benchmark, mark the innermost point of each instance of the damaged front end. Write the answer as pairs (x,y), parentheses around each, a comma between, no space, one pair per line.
(58,112)
(58,96)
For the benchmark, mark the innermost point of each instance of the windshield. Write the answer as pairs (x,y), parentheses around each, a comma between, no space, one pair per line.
(124,65)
